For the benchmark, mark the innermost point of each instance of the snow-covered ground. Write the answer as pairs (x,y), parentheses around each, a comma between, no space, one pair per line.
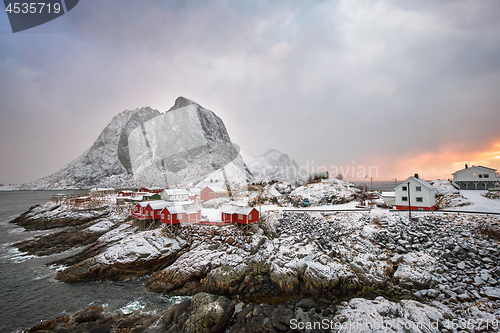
(444,187)
(479,202)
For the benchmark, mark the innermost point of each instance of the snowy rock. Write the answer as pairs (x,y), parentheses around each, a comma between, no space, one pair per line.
(415,271)
(381,315)
(492,292)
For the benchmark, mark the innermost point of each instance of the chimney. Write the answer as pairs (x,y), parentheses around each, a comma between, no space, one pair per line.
(466,166)
(416,175)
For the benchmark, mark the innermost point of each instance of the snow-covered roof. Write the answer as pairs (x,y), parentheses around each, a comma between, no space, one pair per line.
(177,209)
(216,188)
(418,180)
(389,194)
(205,184)
(477,167)
(236,210)
(159,204)
(191,208)
(176,191)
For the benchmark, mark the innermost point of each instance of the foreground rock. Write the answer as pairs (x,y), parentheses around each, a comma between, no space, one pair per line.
(210,313)
(125,253)
(60,215)
(202,313)
(92,319)
(435,259)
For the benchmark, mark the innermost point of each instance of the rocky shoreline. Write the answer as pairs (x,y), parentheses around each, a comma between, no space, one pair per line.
(290,268)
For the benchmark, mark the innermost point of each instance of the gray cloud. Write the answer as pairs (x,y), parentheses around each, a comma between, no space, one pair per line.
(329,81)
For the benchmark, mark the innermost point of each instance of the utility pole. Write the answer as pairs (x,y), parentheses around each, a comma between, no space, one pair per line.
(371,184)
(409,201)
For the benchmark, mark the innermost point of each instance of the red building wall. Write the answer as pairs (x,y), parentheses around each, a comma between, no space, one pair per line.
(415,208)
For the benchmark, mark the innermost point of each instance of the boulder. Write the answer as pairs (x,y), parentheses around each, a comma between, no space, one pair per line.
(202,313)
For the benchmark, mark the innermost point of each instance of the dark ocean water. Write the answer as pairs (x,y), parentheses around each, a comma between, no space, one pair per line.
(29,292)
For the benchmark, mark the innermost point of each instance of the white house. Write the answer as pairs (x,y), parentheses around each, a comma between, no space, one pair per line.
(417,193)
(389,198)
(476,178)
(178,194)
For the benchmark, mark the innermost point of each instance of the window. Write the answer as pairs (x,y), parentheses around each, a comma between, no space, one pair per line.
(240,216)
(480,176)
(420,199)
(419,188)
(169,217)
(404,198)
(486,176)
(162,216)
(404,188)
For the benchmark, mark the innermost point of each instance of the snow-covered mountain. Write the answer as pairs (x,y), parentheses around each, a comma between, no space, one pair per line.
(144,147)
(275,165)
(184,146)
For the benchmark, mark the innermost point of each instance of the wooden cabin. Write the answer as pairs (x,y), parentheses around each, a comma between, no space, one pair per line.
(82,199)
(242,215)
(177,214)
(153,189)
(212,192)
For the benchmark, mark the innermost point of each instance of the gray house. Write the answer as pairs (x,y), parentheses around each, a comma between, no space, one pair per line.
(476,178)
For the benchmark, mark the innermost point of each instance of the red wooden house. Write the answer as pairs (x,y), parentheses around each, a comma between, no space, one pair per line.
(151,189)
(178,214)
(82,199)
(154,208)
(212,192)
(242,215)
(138,211)
(125,193)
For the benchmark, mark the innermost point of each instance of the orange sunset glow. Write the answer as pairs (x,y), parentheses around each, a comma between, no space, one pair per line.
(441,164)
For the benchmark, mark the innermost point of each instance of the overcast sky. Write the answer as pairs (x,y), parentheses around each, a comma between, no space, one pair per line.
(401,86)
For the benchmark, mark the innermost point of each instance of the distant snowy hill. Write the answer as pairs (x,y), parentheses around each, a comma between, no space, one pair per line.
(144,147)
(274,165)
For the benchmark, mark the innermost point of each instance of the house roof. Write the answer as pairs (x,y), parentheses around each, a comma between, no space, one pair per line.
(202,185)
(475,166)
(236,210)
(153,188)
(176,209)
(177,191)
(418,180)
(216,188)
(159,204)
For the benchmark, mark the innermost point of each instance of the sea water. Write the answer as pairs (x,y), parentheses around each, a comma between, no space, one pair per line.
(28,291)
